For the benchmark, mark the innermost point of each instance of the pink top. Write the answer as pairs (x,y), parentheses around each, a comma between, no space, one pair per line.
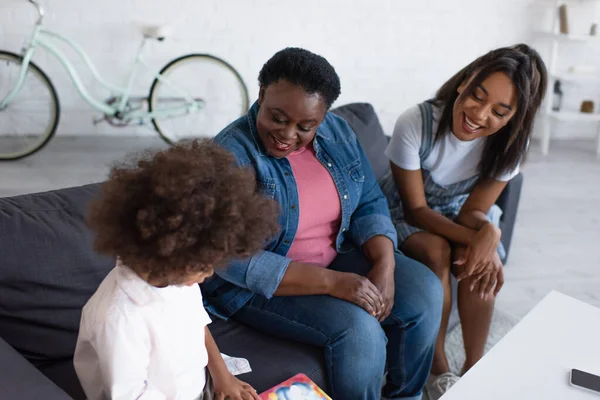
(320,210)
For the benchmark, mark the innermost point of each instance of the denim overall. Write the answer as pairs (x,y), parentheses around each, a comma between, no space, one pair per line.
(445,199)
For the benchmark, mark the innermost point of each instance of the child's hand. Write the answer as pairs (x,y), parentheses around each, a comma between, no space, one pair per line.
(231,388)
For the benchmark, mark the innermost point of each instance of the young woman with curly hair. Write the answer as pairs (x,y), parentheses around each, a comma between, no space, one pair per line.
(451,157)
(169,218)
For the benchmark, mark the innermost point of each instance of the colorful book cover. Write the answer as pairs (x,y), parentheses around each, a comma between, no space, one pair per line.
(298,387)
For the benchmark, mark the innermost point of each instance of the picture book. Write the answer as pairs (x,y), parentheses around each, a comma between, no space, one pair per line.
(298,387)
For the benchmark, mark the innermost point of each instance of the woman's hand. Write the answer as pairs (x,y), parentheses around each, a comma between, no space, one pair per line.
(231,388)
(480,252)
(380,251)
(382,277)
(358,290)
(491,281)
(486,282)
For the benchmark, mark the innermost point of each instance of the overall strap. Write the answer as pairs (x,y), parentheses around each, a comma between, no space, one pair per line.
(427,134)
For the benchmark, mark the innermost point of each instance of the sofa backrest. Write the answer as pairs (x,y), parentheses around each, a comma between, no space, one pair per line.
(364,122)
(48,271)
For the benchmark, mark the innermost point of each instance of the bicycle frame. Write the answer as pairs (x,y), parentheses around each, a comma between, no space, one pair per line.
(43,38)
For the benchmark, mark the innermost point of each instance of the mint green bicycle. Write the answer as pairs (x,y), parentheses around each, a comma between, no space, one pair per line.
(195,95)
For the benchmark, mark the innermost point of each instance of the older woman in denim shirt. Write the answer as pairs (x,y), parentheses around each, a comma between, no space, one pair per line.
(331,278)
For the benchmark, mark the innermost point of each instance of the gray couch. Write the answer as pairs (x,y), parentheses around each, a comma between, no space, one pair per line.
(48,271)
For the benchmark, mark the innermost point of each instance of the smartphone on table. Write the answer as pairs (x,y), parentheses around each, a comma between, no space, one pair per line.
(585,380)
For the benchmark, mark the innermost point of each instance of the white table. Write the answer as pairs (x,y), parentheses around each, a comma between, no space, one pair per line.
(533,361)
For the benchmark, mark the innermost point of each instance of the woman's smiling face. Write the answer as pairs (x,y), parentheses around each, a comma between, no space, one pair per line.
(485,111)
(288,117)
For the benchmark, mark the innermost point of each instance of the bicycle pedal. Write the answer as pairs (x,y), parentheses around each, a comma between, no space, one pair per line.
(96,121)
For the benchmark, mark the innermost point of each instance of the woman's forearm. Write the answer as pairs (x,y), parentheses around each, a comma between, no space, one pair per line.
(302,279)
(380,251)
(434,222)
(473,219)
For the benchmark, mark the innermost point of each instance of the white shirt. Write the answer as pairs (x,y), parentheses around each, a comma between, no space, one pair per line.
(451,160)
(137,341)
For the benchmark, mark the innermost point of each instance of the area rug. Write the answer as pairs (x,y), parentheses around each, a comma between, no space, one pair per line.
(502,323)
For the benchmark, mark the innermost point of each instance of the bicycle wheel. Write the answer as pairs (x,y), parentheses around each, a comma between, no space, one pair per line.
(29,120)
(212,83)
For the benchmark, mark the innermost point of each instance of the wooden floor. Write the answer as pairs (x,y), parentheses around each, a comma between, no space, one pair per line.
(556,244)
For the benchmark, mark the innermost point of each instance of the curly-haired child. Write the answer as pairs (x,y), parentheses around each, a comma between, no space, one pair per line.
(169,218)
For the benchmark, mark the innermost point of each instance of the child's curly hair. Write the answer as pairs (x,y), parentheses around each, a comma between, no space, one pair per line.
(180,211)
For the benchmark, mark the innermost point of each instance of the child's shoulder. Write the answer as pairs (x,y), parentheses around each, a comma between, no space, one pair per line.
(110,303)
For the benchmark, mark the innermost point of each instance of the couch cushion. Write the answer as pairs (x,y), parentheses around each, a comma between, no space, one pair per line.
(364,122)
(48,271)
(273,360)
(20,380)
(63,374)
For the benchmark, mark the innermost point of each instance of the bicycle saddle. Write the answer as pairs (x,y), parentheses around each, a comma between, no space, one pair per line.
(157,32)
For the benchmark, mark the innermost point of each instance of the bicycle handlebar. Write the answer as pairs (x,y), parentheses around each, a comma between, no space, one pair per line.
(40,10)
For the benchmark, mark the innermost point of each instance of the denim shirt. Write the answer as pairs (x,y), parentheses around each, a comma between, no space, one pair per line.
(365,210)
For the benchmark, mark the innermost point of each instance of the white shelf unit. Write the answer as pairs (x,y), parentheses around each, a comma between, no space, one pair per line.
(573,116)
(558,39)
(576,78)
(568,38)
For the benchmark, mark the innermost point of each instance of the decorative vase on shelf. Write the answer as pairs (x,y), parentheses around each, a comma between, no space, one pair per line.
(587,106)
(557,99)
(563,19)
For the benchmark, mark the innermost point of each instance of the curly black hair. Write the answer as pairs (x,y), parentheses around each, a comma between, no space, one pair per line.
(181,211)
(303,68)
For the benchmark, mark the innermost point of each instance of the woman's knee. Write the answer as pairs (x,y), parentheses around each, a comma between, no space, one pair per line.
(433,294)
(439,257)
(418,286)
(358,355)
(363,338)
(432,250)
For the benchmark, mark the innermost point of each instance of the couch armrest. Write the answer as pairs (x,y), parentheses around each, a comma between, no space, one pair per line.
(21,380)
(509,203)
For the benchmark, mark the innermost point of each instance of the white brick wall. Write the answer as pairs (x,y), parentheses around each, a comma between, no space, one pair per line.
(391,53)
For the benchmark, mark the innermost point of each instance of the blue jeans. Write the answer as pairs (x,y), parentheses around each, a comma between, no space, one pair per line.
(356,344)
